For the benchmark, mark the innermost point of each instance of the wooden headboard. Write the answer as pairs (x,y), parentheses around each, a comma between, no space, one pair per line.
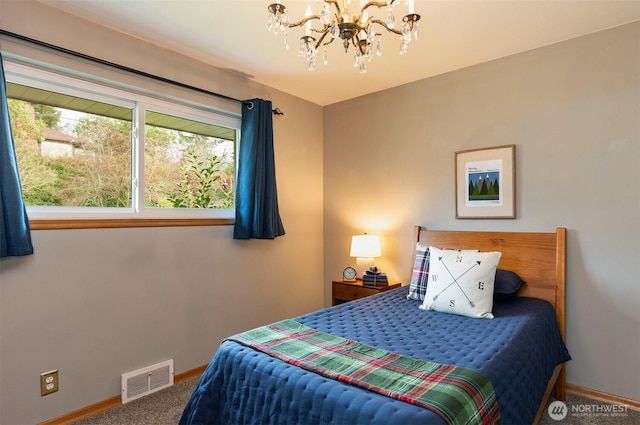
(538,258)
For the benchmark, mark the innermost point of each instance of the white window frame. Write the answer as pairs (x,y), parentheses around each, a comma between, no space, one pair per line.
(118,94)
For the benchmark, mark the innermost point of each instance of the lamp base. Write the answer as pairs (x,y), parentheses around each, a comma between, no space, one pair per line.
(362,265)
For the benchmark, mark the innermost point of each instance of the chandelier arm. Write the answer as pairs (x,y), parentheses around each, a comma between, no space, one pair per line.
(377,4)
(335,3)
(303,21)
(356,43)
(324,34)
(384,25)
(331,40)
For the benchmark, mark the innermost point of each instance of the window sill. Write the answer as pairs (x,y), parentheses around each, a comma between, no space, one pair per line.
(124,223)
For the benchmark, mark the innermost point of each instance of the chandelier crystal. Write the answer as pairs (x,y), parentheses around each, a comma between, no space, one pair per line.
(336,22)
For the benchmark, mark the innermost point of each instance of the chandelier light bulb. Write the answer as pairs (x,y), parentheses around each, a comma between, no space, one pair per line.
(364,20)
(307,26)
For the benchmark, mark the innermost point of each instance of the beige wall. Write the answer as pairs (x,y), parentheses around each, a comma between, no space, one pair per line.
(573,112)
(98,303)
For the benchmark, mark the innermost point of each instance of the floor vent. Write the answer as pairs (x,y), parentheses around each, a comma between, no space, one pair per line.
(142,382)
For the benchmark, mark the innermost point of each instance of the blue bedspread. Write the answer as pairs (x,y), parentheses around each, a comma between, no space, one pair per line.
(517,351)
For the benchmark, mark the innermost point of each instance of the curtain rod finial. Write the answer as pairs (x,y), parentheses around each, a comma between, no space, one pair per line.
(277,111)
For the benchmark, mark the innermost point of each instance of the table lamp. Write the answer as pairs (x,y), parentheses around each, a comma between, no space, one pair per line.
(365,248)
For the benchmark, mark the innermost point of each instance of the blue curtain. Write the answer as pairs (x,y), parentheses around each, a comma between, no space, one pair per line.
(15,235)
(257,214)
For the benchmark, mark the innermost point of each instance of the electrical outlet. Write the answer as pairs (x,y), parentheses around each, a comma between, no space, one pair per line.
(49,382)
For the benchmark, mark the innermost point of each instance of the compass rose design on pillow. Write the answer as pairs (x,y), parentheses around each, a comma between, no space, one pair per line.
(461,282)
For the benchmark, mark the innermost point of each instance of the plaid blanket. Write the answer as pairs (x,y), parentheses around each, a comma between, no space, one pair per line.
(459,395)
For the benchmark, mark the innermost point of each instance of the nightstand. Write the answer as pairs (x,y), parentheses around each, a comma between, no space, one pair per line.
(344,291)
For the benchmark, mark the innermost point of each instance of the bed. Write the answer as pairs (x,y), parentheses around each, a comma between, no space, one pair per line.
(423,360)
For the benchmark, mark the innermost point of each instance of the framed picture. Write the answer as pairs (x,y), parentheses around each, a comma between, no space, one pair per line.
(485,182)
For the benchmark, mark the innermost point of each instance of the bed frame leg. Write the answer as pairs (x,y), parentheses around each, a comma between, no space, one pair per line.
(557,383)
(560,387)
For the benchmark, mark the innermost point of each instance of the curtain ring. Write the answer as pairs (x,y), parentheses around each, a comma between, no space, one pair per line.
(249,105)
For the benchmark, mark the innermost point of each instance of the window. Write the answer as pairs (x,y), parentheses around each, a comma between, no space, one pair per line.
(87,149)
(188,164)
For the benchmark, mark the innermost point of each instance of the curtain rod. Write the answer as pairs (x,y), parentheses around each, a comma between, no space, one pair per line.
(275,111)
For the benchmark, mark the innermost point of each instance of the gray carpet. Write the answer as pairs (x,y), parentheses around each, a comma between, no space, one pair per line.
(161,408)
(165,408)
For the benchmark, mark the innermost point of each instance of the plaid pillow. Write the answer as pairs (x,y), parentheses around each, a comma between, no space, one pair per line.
(420,274)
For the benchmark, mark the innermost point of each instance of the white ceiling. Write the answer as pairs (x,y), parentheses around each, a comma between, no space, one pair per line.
(454,34)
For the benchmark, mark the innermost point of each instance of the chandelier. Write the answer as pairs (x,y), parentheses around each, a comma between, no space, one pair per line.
(354,29)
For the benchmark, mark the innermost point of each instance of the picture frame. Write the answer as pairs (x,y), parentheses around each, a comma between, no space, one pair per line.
(485,182)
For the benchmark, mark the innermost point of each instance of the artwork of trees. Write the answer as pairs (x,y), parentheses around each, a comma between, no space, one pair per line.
(484,186)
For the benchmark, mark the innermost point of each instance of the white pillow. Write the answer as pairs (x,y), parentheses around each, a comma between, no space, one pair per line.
(461,282)
(420,273)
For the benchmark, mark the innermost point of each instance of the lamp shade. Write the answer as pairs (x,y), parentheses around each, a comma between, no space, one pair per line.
(365,246)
